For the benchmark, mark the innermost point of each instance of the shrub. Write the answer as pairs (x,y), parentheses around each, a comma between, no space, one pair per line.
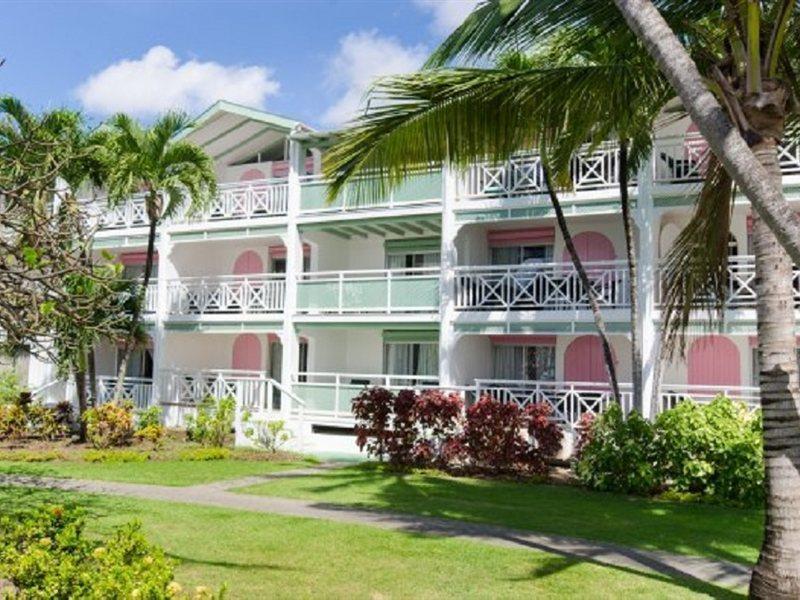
(149,427)
(10,387)
(213,423)
(493,435)
(372,409)
(544,436)
(713,450)
(110,425)
(31,456)
(13,422)
(45,423)
(45,554)
(618,454)
(439,418)
(114,456)
(203,454)
(402,439)
(269,435)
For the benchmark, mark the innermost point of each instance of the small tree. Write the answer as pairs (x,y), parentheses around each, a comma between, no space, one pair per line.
(170,173)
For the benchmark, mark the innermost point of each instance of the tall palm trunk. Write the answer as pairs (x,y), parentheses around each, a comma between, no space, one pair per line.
(599,322)
(777,573)
(637,401)
(153,213)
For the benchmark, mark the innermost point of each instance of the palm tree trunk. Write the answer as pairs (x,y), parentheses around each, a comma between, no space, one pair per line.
(637,402)
(724,139)
(136,317)
(599,322)
(777,573)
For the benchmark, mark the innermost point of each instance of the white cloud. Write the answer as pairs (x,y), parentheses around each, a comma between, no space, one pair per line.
(159,81)
(447,14)
(361,58)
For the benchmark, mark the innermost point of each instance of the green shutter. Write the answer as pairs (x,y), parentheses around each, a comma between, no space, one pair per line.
(426,244)
(411,336)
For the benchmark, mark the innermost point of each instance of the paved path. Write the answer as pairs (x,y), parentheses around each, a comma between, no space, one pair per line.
(724,574)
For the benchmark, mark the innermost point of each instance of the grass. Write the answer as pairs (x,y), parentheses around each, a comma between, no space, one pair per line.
(157,472)
(259,556)
(694,529)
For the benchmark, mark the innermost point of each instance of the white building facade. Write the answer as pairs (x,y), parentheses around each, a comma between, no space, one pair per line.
(456,280)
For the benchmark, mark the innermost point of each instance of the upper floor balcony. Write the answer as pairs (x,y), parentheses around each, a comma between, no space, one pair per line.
(237,295)
(540,286)
(379,291)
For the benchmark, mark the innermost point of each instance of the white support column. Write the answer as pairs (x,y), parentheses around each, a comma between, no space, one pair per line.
(166,272)
(645,217)
(294,267)
(448,337)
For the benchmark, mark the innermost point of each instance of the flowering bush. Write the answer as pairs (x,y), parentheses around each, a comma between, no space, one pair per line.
(149,427)
(45,554)
(110,425)
(432,429)
(13,422)
(213,423)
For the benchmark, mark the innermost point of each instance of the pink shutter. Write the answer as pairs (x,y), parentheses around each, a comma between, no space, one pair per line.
(714,360)
(246,353)
(592,247)
(248,263)
(583,360)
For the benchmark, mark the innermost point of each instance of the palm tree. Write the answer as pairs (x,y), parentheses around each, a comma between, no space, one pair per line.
(548,100)
(170,173)
(737,78)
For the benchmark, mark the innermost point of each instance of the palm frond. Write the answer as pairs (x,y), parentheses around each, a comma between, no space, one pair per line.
(694,274)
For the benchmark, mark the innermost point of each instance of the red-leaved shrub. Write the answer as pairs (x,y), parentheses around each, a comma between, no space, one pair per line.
(402,441)
(584,431)
(439,418)
(544,436)
(372,409)
(493,436)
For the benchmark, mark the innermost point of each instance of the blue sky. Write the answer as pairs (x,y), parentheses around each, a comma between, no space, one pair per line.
(308,59)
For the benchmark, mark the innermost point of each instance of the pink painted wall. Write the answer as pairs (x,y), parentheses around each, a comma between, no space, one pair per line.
(252,174)
(136,258)
(520,237)
(246,353)
(583,360)
(248,263)
(714,360)
(592,247)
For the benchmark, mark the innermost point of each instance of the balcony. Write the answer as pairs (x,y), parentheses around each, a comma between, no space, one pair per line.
(420,188)
(226,295)
(741,284)
(247,200)
(137,390)
(684,159)
(547,286)
(388,291)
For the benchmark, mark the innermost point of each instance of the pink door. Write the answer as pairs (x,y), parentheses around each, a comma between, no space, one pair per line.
(248,263)
(246,353)
(583,360)
(592,247)
(714,360)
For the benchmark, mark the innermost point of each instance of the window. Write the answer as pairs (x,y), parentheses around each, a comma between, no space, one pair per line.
(140,363)
(412,260)
(519,255)
(132,272)
(302,361)
(411,359)
(537,363)
(278,265)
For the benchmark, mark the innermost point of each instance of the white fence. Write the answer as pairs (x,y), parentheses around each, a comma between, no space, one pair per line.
(247,200)
(229,294)
(590,169)
(671,394)
(553,286)
(137,390)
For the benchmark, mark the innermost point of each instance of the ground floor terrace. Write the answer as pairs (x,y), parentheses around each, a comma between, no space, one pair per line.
(312,386)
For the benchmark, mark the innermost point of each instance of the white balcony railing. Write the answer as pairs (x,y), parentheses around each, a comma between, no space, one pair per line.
(137,390)
(230,294)
(151,298)
(253,391)
(570,400)
(125,215)
(248,200)
(590,169)
(741,283)
(684,159)
(671,394)
(372,291)
(546,286)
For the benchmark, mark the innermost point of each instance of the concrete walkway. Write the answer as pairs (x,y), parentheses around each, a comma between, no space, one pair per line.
(720,573)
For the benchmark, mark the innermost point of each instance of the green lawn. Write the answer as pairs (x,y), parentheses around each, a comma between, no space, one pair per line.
(266,556)
(160,472)
(697,529)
